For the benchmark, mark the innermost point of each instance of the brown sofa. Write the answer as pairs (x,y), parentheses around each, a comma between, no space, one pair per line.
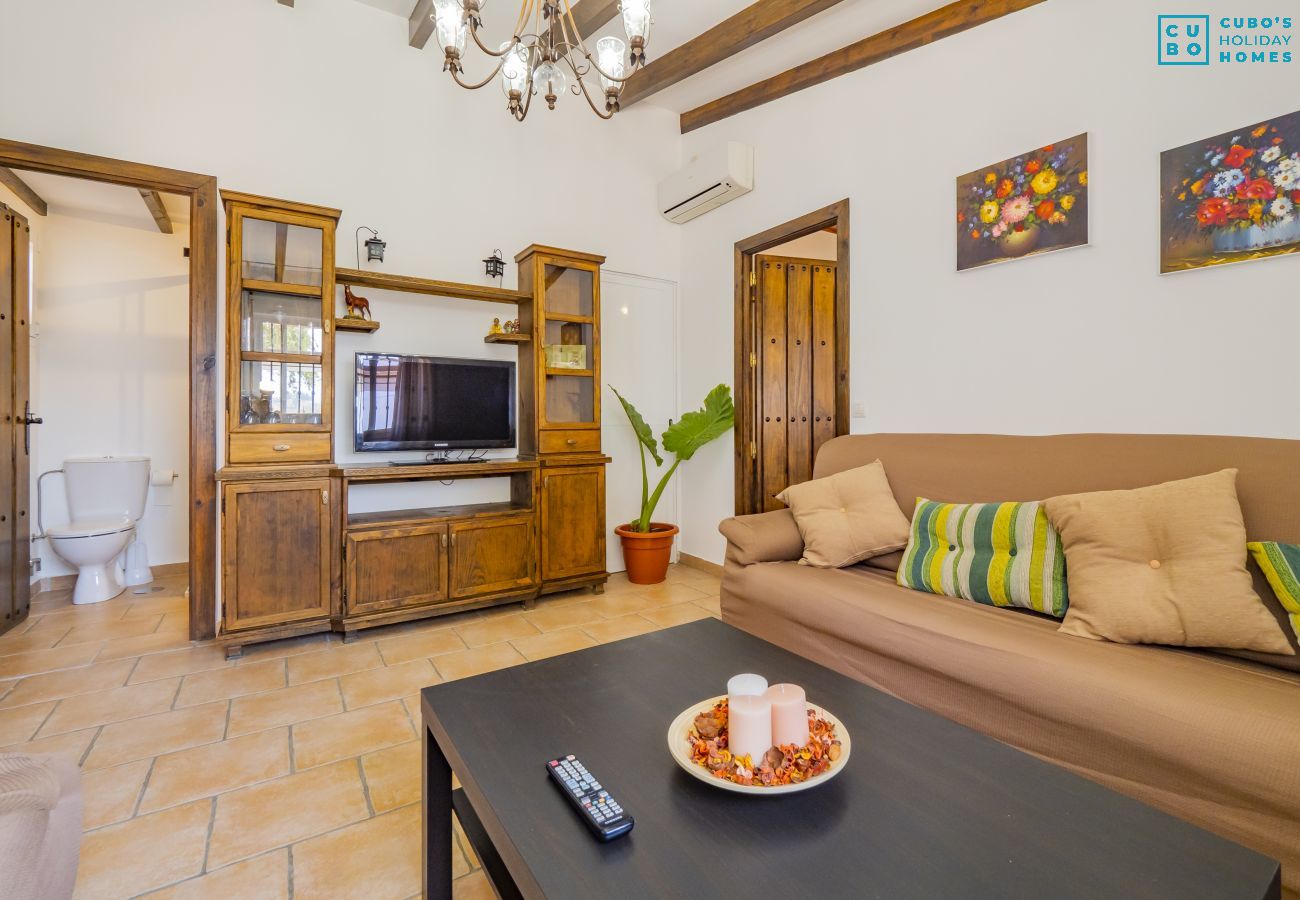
(1210,737)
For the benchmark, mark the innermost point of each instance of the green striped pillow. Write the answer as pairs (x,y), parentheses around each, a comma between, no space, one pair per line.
(1280,564)
(1000,554)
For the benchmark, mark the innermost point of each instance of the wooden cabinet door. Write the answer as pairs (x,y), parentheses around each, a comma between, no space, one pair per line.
(396,568)
(489,556)
(573,522)
(276,552)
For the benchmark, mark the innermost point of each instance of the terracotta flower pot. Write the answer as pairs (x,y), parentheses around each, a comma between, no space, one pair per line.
(647,554)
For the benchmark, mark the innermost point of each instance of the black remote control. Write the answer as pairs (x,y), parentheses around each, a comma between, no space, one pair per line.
(602,813)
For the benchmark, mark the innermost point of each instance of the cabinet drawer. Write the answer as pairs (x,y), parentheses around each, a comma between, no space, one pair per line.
(303,446)
(576,441)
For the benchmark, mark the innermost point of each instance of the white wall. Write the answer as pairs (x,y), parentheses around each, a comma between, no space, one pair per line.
(325,103)
(109,363)
(1085,340)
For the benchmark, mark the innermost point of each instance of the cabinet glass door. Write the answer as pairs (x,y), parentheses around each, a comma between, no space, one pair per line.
(281,252)
(569,345)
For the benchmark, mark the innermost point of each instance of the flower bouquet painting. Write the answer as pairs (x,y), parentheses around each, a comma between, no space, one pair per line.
(1231,198)
(1032,203)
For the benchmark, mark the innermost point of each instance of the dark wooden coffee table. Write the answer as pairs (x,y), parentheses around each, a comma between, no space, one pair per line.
(925,808)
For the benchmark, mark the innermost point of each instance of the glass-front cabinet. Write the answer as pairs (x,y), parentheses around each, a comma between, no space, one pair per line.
(565,325)
(281,276)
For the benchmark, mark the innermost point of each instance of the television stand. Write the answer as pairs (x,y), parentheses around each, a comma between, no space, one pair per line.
(436,462)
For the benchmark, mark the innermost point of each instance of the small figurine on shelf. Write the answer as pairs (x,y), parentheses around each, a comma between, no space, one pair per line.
(358,307)
(496,327)
(512,327)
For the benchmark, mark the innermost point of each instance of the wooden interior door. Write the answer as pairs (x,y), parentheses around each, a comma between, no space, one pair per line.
(795,371)
(15,448)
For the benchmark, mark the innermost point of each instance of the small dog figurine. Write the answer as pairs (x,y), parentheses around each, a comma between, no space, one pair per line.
(358,307)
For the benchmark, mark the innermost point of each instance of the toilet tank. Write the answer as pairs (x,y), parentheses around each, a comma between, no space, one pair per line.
(105,487)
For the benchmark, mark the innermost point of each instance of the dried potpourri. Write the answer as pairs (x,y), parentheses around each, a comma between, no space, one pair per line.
(787,764)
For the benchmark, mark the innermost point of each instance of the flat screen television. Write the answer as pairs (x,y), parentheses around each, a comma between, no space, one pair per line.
(433,403)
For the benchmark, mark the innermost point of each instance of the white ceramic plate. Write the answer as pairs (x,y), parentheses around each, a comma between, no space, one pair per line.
(680,748)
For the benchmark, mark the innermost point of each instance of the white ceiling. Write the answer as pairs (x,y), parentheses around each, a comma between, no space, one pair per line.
(103,202)
(678,21)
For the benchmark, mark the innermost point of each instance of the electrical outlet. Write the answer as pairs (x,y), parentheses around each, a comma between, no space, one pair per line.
(859,410)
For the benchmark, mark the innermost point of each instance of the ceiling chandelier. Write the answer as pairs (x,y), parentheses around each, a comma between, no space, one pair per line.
(545,42)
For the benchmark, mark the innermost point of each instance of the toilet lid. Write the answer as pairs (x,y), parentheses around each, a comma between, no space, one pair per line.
(91,528)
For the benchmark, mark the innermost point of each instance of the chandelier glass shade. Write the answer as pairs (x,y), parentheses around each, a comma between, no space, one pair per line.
(546,56)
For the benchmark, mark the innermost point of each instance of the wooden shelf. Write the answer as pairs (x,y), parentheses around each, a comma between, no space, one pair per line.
(580,373)
(570,317)
(395,517)
(507,339)
(412,285)
(365,326)
(492,467)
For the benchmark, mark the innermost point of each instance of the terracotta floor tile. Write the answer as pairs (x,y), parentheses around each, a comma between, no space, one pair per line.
(466,849)
(308,643)
(473,886)
(21,723)
(276,813)
(223,684)
(620,628)
(677,614)
(34,662)
(350,734)
(553,644)
(200,658)
(286,706)
(103,707)
(24,641)
(393,776)
(333,662)
(618,584)
(264,877)
(56,685)
(667,594)
(622,604)
(557,618)
(389,683)
(142,738)
(712,605)
(107,631)
(495,630)
(216,768)
(689,575)
(477,661)
(379,858)
(111,794)
(155,605)
(123,648)
(420,645)
(144,853)
(72,745)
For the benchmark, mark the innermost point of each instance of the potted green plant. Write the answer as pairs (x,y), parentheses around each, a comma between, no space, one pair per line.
(648,545)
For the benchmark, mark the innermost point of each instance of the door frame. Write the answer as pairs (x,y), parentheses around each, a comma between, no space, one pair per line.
(205,309)
(747,396)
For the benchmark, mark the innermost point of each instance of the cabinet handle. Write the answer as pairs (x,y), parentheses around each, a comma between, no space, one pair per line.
(444,541)
(280,448)
(572,442)
(453,539)
(324,497)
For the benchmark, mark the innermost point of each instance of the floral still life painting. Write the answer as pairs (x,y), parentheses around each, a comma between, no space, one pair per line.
(1231,198)
(1032,203)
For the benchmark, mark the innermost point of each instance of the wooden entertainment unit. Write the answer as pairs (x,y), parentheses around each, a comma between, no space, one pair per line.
(294,559)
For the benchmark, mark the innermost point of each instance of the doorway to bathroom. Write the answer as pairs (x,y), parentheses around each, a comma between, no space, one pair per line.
(196,361)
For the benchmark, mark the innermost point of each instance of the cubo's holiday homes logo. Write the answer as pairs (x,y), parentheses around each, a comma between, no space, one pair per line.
(1199,40)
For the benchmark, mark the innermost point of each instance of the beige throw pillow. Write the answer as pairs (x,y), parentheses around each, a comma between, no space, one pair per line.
(1163,565)
(847,517)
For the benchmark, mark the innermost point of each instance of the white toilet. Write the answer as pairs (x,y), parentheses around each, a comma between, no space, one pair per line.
(106,497)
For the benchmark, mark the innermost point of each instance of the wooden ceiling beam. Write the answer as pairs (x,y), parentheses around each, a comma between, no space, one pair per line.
(286,2)
(9,178)
(750,26)
(153,200)
(933,26)
(420,24)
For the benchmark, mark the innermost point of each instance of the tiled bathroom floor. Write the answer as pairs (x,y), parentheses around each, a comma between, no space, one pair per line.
(293,772)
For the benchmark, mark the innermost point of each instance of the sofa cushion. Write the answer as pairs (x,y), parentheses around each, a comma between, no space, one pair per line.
(999,554)
(1164,564)
(846,517)
(1280,564)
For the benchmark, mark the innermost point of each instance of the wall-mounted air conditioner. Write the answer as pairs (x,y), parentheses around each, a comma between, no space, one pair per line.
(712,179)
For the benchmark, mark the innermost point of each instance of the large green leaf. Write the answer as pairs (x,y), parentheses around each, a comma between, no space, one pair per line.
(643,432)
(695,429)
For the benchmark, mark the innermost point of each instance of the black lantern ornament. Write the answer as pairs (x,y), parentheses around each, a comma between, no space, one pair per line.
(375,246)
(495,265)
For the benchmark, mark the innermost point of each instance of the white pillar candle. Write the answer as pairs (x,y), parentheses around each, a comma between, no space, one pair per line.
(749,727)
(746,685)
(789,714)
